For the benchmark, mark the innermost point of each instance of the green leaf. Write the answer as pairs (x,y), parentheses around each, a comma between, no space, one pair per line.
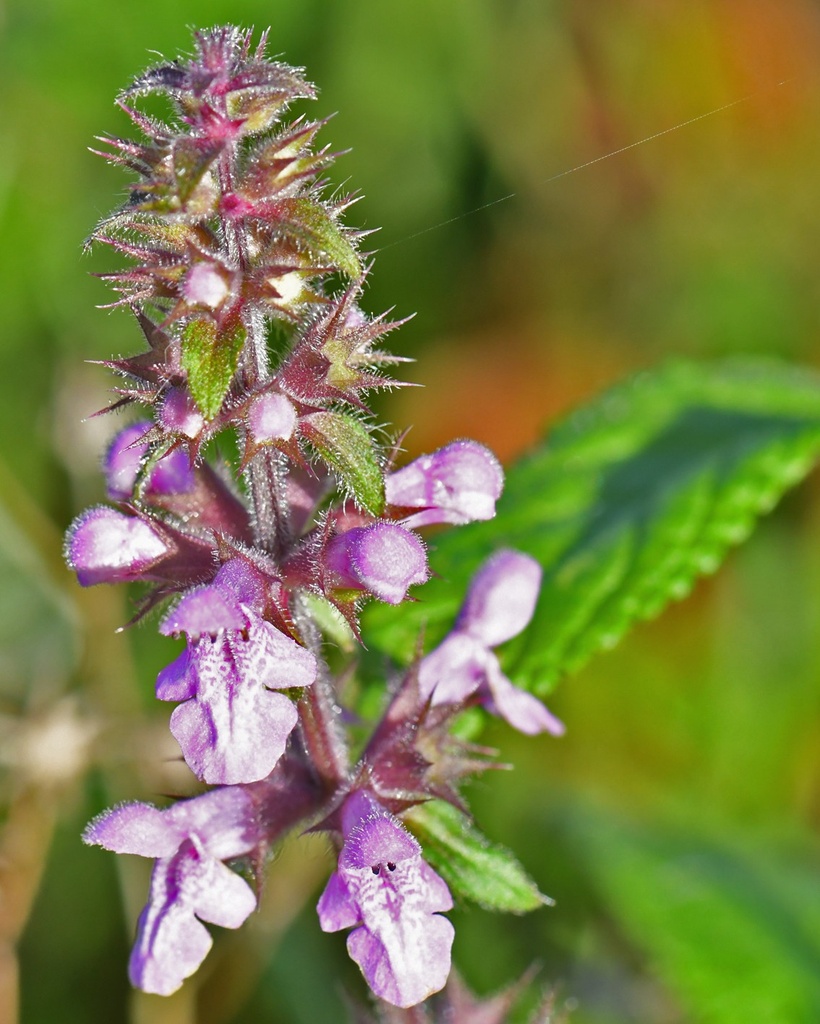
(192,158)
(311,224)
(210,359)
(631,499)
(734,931)
(472,866)
(346,446)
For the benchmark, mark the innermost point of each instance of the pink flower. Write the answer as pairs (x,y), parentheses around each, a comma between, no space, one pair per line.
(231,726)
(459,483)
(499,605)
(189,884)
(393,899)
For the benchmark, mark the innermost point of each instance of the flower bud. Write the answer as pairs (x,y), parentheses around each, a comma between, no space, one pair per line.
(205,285)
(171,475)
(271,417)
(383,558)
(179,415)
(106,546)
(459,483)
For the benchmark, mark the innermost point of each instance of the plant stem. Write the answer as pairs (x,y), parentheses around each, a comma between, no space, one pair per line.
(265,476)
(319,713)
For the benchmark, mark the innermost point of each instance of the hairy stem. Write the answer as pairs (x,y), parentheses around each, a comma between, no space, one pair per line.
(270,511)
(319,714)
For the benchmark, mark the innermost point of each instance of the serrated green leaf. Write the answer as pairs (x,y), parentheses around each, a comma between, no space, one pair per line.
(733,931)
(346,446)
(314,227)
(472,866)
(631,499)
(210,359)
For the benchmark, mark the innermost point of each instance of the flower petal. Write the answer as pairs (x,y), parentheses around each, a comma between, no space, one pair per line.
(177,681)
(223,821)
(171,944)
(402,946)
(235,729)
(521,709)
(172,474)
(134,828)
(336,908)
(453,670)
(204,610)
(501,599)
(406,963)
(226,900)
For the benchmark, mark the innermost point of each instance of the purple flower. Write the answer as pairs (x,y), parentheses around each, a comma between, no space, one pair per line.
(106,546)
(499,605)
(231,727)
(460,483)
(392,898)
(383,558)
(189,884)
(171,475)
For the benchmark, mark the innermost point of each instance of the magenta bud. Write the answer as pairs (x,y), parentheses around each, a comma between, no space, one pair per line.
(179,414)
(106,546)
(205,285)
(171,475)
(459,483)
(272,417)
(383,558)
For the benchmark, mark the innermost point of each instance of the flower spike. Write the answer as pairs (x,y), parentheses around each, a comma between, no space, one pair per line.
(256,501)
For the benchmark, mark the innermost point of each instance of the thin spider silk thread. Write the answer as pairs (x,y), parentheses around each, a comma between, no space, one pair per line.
(587,163)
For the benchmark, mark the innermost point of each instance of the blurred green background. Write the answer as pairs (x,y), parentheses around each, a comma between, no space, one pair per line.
(676,823)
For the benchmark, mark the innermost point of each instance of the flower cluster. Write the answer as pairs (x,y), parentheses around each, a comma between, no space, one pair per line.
(230,233)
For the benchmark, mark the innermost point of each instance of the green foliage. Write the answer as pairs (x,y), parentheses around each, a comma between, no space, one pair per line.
(311,224)
(210,358)
(735,932)
(471,865)
(346,446)
(629,501)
